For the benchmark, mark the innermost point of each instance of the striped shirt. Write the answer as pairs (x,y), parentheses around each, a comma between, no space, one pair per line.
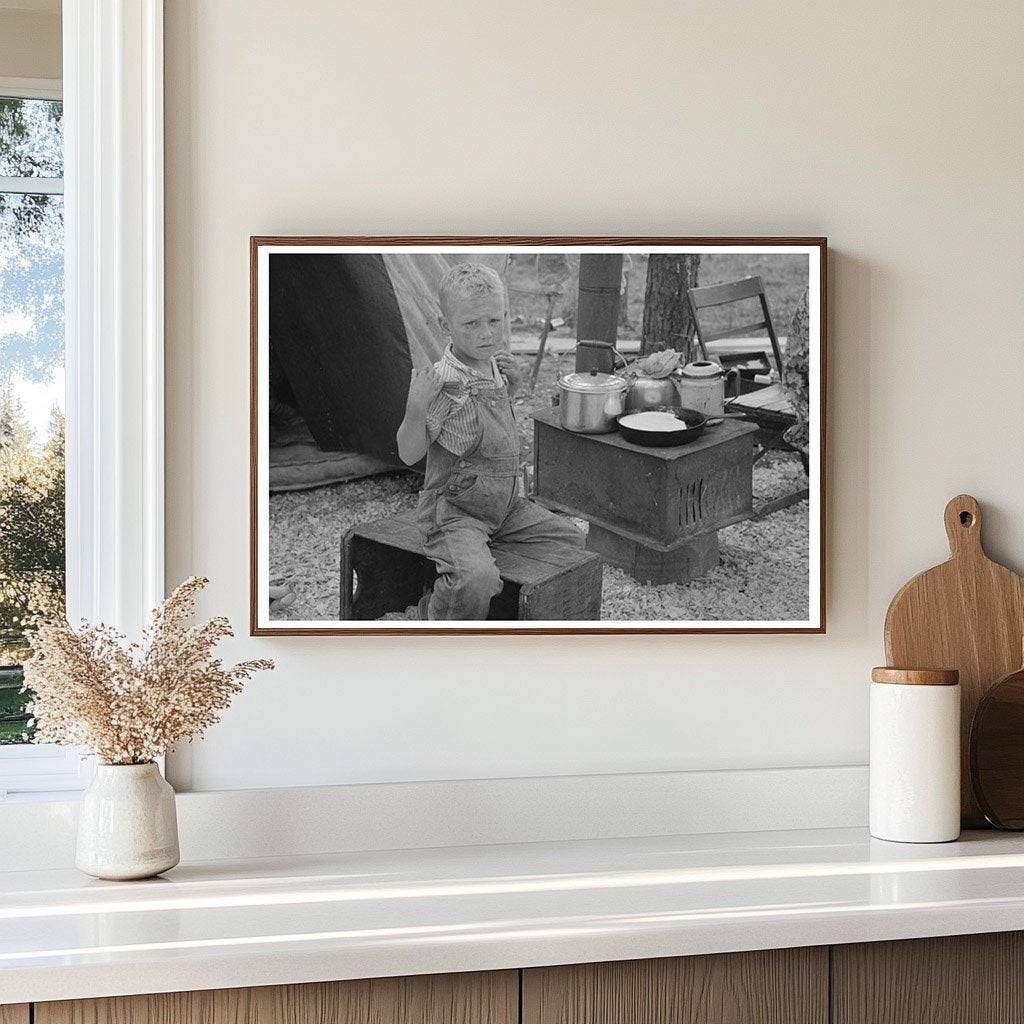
(451,418)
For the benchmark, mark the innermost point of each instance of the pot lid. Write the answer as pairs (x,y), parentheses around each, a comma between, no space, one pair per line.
(702,368)
(593,382)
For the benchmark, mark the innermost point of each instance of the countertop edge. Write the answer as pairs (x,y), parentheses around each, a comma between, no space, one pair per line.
(234,924)
(555,944)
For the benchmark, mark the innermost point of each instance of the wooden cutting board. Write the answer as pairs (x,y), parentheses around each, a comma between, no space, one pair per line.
(967,614)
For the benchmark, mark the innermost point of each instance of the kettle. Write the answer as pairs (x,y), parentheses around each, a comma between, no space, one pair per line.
(646,393)
(701,386)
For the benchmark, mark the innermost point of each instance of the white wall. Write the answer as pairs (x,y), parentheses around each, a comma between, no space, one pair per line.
(895,129)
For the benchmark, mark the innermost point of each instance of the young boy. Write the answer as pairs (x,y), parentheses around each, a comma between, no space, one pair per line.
(459,414)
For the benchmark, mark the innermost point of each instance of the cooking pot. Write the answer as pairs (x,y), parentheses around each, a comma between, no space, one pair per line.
(589,403)
(701,386)
(652,393)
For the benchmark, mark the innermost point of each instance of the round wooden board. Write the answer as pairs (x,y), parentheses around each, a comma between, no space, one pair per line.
(997,752)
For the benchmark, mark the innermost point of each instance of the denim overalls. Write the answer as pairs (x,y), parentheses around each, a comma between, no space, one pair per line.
(468,501)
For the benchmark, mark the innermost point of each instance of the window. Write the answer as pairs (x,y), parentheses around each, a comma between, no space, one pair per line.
(109,208)
(32,549)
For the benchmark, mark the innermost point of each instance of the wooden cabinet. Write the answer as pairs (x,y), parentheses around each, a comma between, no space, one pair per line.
(775,986)
(969,979)
(481,998)
(962,979)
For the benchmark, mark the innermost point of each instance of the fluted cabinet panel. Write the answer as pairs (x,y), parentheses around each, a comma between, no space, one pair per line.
(479,998)
(775,986)
(960,979)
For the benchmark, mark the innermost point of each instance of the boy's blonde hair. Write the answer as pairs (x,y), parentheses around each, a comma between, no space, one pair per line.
(468,281)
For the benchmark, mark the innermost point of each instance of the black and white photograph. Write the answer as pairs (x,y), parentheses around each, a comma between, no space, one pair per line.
(537,435)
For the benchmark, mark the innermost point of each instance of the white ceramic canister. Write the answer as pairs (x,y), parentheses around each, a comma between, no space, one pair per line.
(915,755)
(127,825)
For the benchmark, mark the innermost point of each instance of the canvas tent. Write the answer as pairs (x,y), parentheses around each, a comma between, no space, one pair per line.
(345,331)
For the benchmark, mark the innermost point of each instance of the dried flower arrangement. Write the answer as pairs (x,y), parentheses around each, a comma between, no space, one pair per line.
(130,703)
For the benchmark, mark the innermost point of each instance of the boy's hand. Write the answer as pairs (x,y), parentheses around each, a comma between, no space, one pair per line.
(509,369)
(424,387)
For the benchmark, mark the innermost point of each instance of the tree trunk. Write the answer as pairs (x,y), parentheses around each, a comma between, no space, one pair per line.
(598,315)
(667,319)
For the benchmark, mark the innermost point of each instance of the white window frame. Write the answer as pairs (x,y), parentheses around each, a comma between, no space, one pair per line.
(114,325)
(31,89)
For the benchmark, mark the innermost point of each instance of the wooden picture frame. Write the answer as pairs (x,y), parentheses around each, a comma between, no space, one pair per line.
(263,623)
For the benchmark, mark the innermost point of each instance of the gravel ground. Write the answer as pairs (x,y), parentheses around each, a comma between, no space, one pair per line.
(762,572)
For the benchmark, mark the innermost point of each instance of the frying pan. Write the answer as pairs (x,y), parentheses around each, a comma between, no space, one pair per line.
(687,432)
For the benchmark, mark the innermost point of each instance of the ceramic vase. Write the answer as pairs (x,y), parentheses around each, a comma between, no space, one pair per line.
(127,825)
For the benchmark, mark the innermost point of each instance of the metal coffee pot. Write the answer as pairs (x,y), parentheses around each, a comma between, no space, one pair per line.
(701,385)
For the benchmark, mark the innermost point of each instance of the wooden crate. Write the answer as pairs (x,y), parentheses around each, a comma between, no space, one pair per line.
(383,569)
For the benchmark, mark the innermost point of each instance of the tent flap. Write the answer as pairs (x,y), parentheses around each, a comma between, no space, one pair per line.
(346,330)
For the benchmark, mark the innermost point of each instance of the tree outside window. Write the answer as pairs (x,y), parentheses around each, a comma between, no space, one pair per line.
(31,387)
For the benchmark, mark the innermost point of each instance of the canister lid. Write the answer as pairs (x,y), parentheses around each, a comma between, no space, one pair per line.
(593,382)
(916,676)
(702,368)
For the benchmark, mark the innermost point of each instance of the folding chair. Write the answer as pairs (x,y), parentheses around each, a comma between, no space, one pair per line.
(734,291)
(773,413)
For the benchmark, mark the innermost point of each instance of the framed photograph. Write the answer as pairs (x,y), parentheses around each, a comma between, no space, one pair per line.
(537,435)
